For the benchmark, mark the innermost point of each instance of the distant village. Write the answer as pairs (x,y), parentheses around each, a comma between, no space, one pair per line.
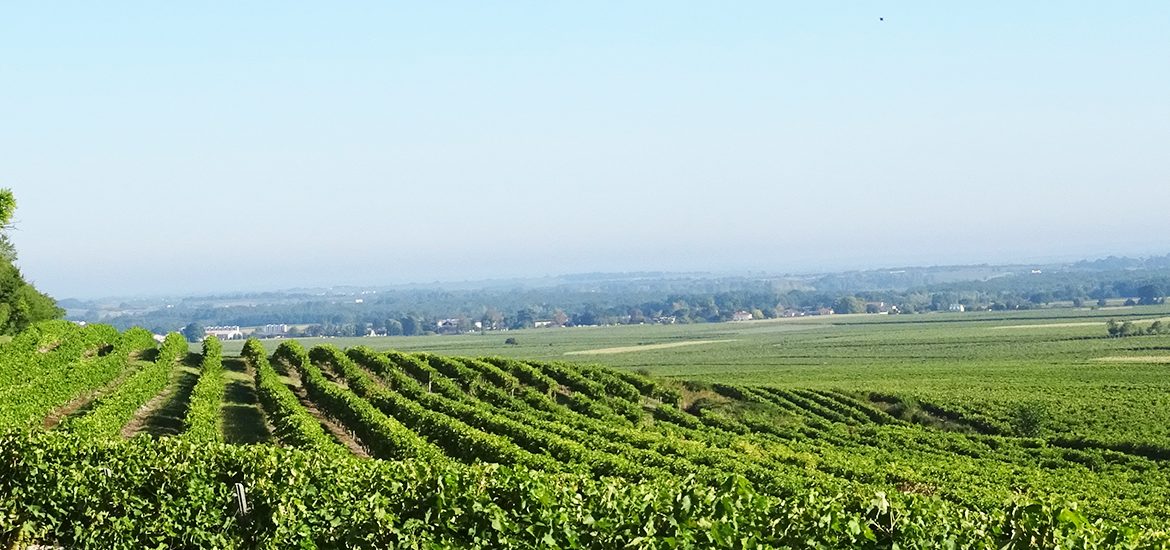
(633,299)
(466,326)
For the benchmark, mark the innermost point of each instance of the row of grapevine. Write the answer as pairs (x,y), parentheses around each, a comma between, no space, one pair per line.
(721,437)
(608,454)
(70,380)
(384,436)
(868,412)
(526,373)
(46,349)
(492,375)
(738,466)
(524,431)
(537,427)
(591,397)
(204,412)
(576,418)
(811,406)
(568,376)
(521,399)
(419,367)
(112,411)
(60,490)
(292,422)
(612,384)
(452,370)
(454,436)
(37,339)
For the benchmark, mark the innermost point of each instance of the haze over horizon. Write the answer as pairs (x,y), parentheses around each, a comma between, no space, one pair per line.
(173,149)
(486,281)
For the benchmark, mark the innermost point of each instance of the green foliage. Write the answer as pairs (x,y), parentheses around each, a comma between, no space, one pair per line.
(614,384)
(572,379)
(64,361)
(383,435)
(1151,294)
(7,209)
(849,304)
(1129,328)
(526,373)
(591,457)
(204,414)
(294,425)
(109,413)
(1030,418)
(80,493)
(194,332)
(457,439)
(21,304)
(45,347)
(484,415)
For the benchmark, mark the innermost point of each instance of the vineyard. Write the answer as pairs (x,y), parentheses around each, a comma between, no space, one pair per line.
(386,449)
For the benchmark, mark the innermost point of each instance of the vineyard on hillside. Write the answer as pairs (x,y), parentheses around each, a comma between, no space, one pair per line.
(111,440)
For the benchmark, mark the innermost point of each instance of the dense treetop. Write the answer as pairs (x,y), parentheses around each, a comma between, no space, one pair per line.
(21,304)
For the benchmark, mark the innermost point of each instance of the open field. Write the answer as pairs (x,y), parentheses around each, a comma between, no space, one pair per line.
(646,347)
(1049,325)
(1076,324)
(1135,359)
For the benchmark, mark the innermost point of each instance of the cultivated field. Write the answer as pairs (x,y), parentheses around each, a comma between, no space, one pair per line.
(841,431)
(1087,385)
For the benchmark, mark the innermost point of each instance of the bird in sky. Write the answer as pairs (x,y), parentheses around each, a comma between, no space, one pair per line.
(881,19)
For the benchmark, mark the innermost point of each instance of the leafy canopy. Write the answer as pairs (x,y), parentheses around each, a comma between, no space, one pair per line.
(21,304)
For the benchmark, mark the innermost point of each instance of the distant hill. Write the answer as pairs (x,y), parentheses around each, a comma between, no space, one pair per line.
(643,297)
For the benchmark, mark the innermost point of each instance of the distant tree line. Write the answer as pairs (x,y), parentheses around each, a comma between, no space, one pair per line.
(427,311)
(1128,328)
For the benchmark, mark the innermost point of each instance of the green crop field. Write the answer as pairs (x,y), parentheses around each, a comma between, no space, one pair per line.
(968,430)
(982,366)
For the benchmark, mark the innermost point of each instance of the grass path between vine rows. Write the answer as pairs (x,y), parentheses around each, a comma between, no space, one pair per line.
(82,403)
(163,415)
(334,429)
(244,421)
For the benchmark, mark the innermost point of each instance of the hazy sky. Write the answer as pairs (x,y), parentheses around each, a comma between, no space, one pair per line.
(193,146)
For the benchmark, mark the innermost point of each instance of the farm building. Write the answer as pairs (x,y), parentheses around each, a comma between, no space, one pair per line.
(273,330)
(231,332)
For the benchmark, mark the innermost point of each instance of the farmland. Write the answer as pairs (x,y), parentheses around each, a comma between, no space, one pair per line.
(965,362)
(977,429)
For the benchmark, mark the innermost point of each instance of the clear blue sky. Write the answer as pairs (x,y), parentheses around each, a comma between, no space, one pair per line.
(185,147)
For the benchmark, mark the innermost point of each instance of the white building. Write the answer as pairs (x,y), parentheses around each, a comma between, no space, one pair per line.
(231,332)
(273,330)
